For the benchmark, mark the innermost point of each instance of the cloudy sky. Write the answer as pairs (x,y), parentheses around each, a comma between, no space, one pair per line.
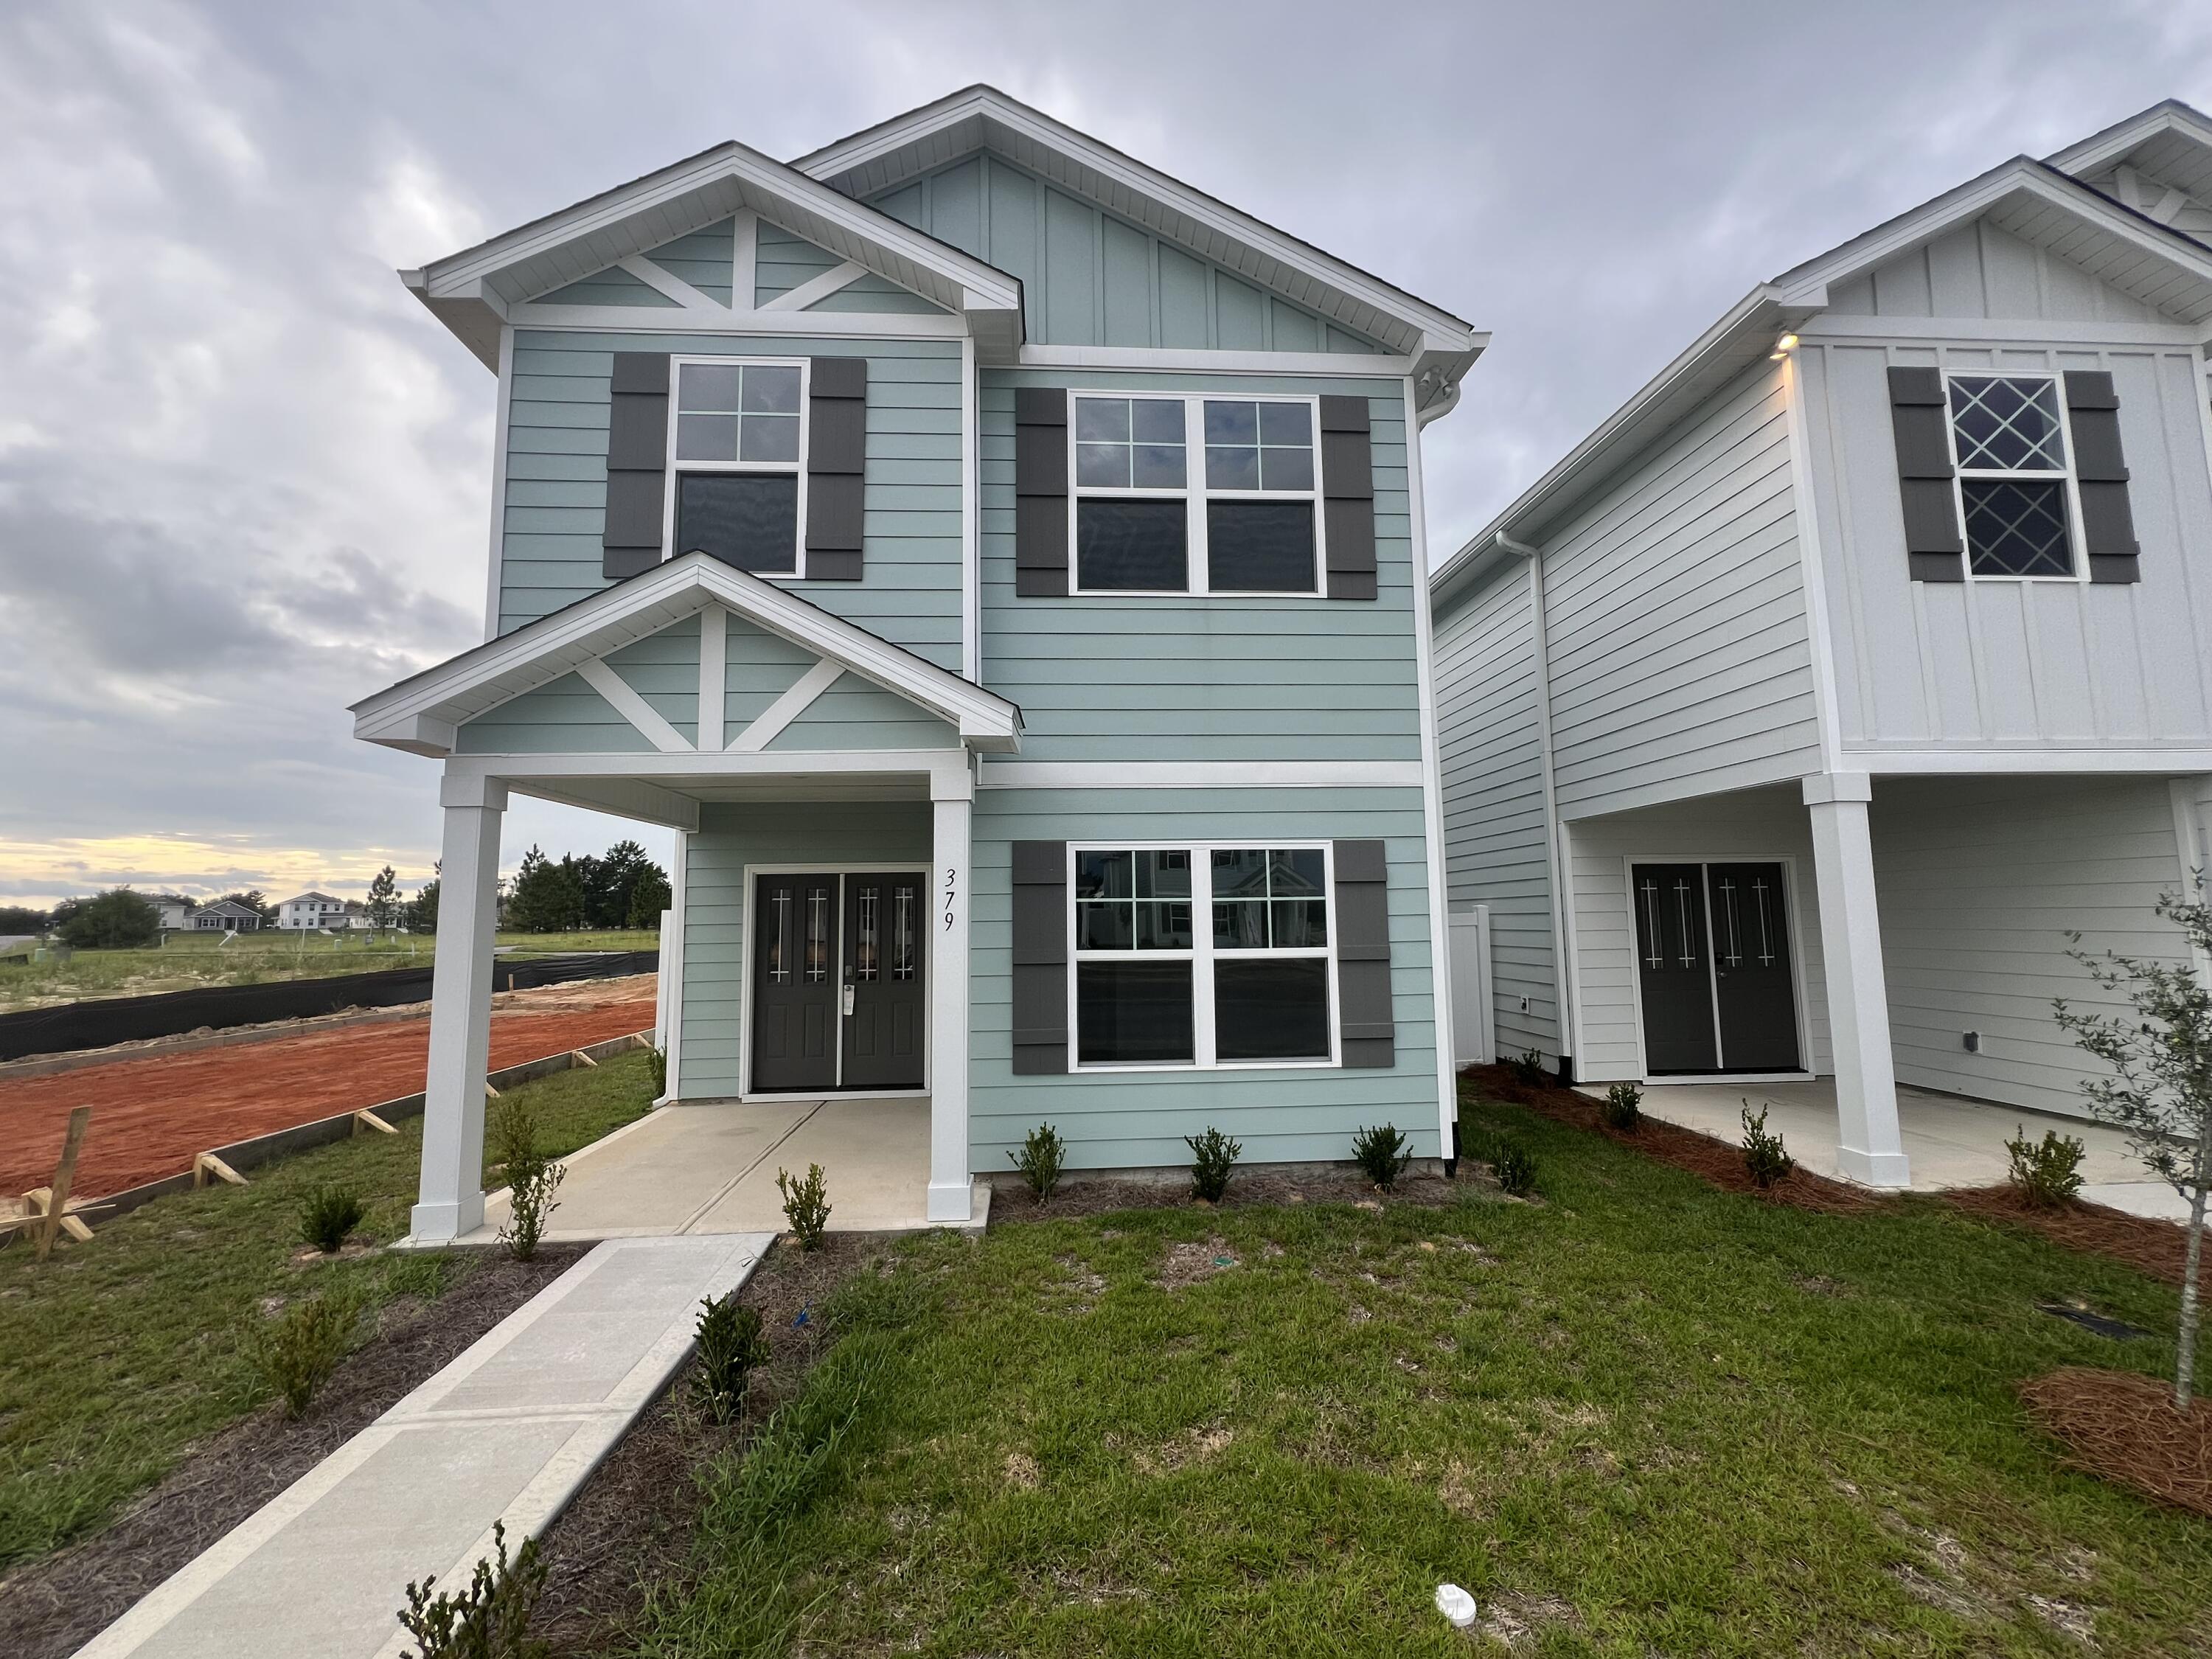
(244,477)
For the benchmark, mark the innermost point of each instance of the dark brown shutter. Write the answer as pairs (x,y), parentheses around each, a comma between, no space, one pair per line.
(837,467)
(1367,1031)
(1933,545)
(2108,523)
(637,464)
(1347,488)
(1040,493)
(1040,957)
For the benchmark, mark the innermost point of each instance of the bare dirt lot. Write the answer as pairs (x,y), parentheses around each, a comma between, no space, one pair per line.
(150,1116)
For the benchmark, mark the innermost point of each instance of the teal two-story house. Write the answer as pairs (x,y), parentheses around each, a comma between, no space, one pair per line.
(1002,566)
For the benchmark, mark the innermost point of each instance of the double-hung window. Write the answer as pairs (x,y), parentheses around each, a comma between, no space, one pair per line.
(1202,956)
(2016,478)
(738,444)
(1178,494)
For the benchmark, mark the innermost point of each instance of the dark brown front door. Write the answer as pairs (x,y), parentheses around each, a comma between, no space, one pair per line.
(885,1010)
(796,994)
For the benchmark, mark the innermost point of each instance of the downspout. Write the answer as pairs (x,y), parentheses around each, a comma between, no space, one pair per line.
(1555,856)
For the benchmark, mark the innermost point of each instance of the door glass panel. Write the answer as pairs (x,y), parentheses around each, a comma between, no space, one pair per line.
(779,946)
(902,933)
(817,936)
(866,930)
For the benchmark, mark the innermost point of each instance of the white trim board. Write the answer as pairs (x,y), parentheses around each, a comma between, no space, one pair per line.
(1200,774)
(795,701)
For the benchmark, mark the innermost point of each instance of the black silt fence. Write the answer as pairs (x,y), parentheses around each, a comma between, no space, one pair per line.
(136,1019)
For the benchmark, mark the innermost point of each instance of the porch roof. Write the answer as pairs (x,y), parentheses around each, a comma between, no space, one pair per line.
(422,714)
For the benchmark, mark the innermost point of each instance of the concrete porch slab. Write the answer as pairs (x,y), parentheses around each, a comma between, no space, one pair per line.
(1950,1142)
(708,1168)
(508,1431)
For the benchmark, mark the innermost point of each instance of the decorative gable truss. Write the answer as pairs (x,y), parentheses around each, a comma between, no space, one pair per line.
(693,658)
(746,258)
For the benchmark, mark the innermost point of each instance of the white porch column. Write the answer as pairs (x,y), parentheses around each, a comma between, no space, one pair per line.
(451,1201)
(951,811)
(1869,1149)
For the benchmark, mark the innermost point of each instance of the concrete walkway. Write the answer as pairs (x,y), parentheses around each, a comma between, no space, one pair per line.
(1951,1142)
(507,1431)
(710,1168)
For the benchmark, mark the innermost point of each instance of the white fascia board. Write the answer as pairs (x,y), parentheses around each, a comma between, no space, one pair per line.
(1416,317)
(1970,200)
(719,182)
(426,708)
(1746,333)
(665,319)
(2117,142)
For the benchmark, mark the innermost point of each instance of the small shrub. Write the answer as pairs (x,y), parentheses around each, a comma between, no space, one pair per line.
(1039,1160)
(488,1620)
(805,1204)
(329,1216)
(531,1177)
(1382,1154)
(1765,1157)
(656,1060)
(303,1346)
(1528,1070)
(1623,1109)
(1213,1155)
(2046,1173)
(730,1346)
(1514,1167)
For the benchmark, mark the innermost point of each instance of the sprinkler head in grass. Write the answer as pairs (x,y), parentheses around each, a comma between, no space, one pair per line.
(1456,1605)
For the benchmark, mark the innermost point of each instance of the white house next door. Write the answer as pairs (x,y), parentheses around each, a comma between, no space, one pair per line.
(1713,962)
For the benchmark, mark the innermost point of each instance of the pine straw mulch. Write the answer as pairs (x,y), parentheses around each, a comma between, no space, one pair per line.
(51,1607)
(632,1523)
(1713,1161)
(2122,1425)
(2148,1245)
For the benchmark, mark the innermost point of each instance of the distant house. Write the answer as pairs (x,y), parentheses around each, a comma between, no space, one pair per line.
(172,910)
(224,915)
(312,911)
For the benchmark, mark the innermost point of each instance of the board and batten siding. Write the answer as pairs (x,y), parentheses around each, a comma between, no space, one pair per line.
(1680,653)
(1980,271)
(1138,1119)
(1759,823)
(1090,278)
(814,835)
(1181,677)
(556,490)
(2025,664)
(1490,753)
(1977,882)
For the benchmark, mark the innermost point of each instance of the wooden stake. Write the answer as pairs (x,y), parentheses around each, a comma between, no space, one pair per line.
(493,1092)
(207,1166)
(64,1176)
(365,1119)
(583,1059)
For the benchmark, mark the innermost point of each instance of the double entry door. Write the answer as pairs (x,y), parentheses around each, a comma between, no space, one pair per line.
(837,981)
(1713,965)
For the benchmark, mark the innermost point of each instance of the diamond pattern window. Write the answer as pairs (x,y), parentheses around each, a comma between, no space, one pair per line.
(2009,435)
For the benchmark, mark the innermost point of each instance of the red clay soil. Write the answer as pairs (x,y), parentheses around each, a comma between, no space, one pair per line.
(2123,1426)
(1714,1161)
(151,1116)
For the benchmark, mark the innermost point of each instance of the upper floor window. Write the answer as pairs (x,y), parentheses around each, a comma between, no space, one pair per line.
(2015,480)
(1196,494)
(736,444)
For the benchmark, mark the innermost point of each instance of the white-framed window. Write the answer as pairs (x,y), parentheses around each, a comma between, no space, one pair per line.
(1194,493)
(737,461)
(2017,502)
(1201,954)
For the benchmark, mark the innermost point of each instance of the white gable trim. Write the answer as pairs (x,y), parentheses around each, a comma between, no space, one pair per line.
(665,281)
(817,288)
(2121,140)
(982,117)
(789,707)
(424,714)
(631,706)
(488,282)
(2030,199)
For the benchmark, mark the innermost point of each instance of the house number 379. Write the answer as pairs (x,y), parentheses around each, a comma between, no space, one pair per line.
(951,894)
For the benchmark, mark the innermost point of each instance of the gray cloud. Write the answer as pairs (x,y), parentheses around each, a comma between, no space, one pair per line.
(244,477)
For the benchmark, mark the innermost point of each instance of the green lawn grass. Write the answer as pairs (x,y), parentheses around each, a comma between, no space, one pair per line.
(115,1355)
(1640,1416)
(185,962)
